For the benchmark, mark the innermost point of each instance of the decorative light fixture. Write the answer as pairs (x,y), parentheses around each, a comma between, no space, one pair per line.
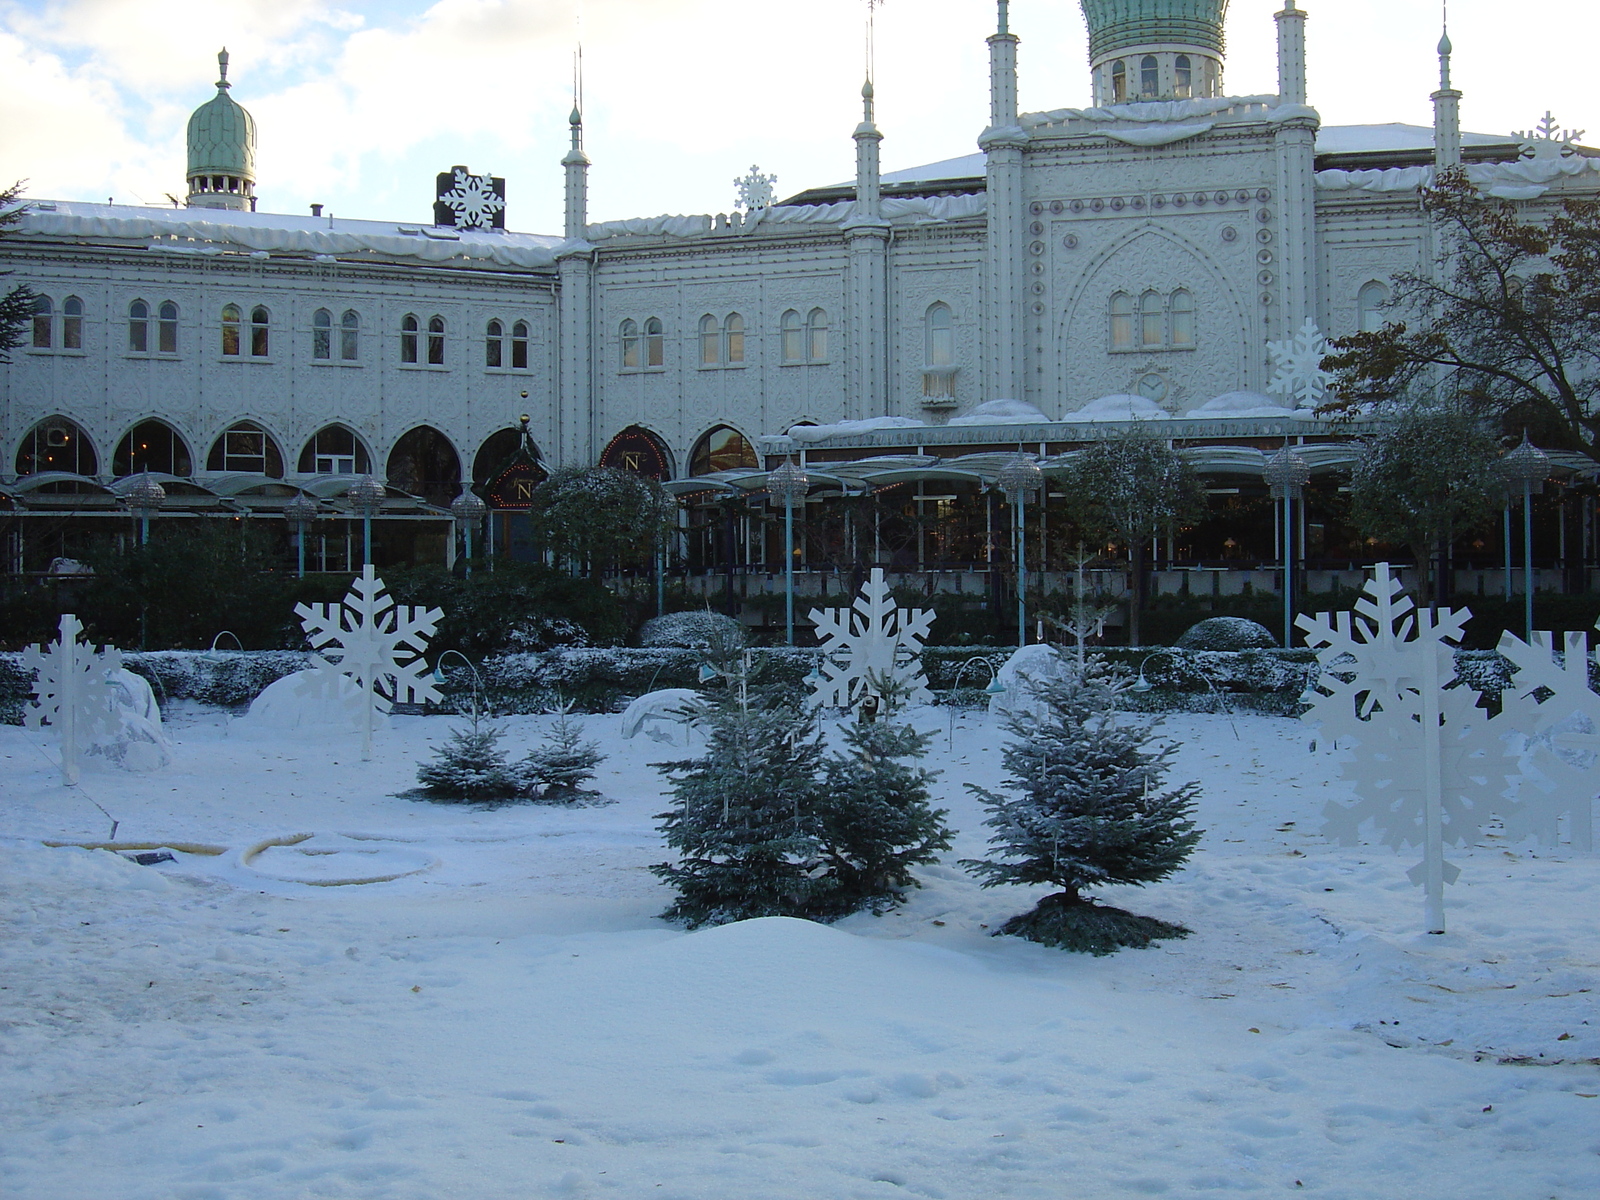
(1526,467)
(468,510)
(788,486)
(300,513)
(1019,479)
(1287,474)
(145,499)
(366,496)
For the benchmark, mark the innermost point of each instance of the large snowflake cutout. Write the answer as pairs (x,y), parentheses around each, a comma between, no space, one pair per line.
(73,692)
(1550,702)
(755,190)
(376,642)
(869,642)
(473,200)
(1297,372)
(1547,141)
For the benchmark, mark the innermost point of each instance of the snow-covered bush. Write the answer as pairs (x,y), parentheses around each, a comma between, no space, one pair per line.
(1086,809)
(471,768)
(702,630)
(556,771)
(1226,633)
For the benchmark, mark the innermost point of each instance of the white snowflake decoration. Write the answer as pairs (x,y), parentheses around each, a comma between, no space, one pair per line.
(872,640)
(755,189)
(1549,701)
(1548,141)
(74,693)
(1297,372)
(473,200)
(1427,766)
(376,642)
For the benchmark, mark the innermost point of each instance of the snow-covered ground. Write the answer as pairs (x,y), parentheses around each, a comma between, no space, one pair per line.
(507,1019)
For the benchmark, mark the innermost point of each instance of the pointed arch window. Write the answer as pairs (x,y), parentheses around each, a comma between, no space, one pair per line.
(494,345)
(1149,76)
(794,338)
(72,323)
(1151,326)
(733,339)
(436,341)
(1119,82)
(630,345)
(246,446)
(151,446)
(1183,77)
(409,328)
(519,346)
(334,450)
(138,328)
(43,323)
(655,343)
(232,320)
(940,336)
(1122,321)
(322,334)
(167,328)
(722,449)
(260,332)
(57,444)
(350,336)
(1180,314)
(817,336)
(1370,302)
(710,341)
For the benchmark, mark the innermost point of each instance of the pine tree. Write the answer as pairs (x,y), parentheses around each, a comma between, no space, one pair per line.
(471,767)
(873,817)
(1087,811)
(743,816)
(16,305)
(557,770)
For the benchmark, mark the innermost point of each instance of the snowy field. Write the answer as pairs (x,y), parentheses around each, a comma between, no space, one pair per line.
(507,1018)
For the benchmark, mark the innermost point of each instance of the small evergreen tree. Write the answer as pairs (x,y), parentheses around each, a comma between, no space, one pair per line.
(471,767)
(1087,811)
(743,815)
(16,305)
(874,822)
(557,770)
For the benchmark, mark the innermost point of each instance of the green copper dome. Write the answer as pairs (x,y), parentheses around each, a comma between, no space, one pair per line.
(222,135)
(1120,24)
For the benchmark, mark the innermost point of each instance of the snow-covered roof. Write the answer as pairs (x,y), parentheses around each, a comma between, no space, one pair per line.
(219,231)
(1394,138)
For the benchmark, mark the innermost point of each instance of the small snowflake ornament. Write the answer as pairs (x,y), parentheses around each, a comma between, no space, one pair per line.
(755,190)
(473,200)
(73,692)
(376,642)
(870,640)
(1547,141)
(1297,372)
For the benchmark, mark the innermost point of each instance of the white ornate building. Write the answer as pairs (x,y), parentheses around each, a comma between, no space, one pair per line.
(1154,257)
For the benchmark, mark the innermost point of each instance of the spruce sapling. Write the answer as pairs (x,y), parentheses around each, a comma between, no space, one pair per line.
(471,767)
(873,817)
(556,771)
(1087,811)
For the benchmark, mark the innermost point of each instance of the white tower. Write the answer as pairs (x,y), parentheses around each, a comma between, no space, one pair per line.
(868,236)
(1446,113)
(576,166)
(1002,143)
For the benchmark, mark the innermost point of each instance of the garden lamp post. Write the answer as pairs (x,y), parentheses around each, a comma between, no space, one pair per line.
(1529,467)
(468,510)
(788,486)
(366,496)
(1019,479)
(300,512)
(1287,474)
(145,499)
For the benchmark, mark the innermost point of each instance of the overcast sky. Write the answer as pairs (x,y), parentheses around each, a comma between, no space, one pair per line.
(360,104)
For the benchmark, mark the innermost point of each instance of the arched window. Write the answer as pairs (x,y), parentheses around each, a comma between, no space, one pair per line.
(710,341)
(1151,329)
(138,328)
(1119,81)
(722,449)
(1370,301)
(1183,78)
(245,446)
(733,338)
(1180,311)
(519,346)
(817,336)
(151,446)
(794,338)
(940,336)
(1149,76)
(72,323)
(167,328)
(630,345)
(495,453)
(231,320)
(655,343)
(334,450)
(494,345)
(1122,321)
(408,338)
(57,444)
(350,335)
(424,463)
(260,328)
(43,323)
(436,341)
(322,334)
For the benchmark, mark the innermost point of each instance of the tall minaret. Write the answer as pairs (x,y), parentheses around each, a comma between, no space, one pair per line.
(1446,113)
(867,235)
(1002,144)
(1291,54)
(869,189)
(576,164)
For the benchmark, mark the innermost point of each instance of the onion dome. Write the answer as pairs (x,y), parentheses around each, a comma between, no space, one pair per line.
(222,150)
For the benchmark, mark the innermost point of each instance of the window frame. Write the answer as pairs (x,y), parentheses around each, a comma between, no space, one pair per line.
(167,325)
(1183,77)
(1119,82)
(138,327)
(1149,77)
(733,345)
(710,341)
(72,324)
(322,335)
(939,335)
(792,335)
(655,344)
(350,336)
(410,335)
(628,334)
(817,335)
(520,342)
(232,331)
(260,332)
(436,336)
(494,345)
(1374,311)
(44,323)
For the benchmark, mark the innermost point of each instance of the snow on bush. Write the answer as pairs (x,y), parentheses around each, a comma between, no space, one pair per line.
(703,630)
(1227,633)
